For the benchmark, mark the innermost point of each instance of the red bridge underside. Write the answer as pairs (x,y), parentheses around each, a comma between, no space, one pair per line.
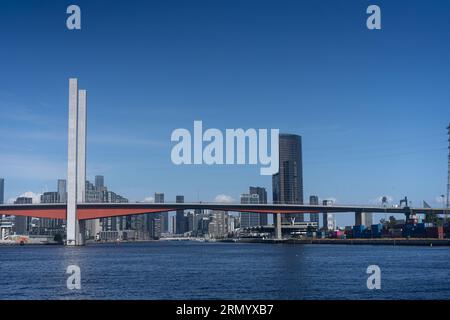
(95,213)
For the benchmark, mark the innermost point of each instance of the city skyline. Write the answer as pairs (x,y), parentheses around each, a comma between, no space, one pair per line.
(375,154)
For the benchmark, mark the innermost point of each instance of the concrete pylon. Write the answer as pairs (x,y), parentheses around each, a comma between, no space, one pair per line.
(277,225)
(81,160)
(76,166)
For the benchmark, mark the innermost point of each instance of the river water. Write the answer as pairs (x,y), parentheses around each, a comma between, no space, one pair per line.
(194,270)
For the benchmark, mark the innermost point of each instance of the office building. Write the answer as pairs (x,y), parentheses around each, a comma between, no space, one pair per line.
(164,216)
(99,193)
(62,191)
(287,184)
(180,221)
(262,194)
(50,226)
(250,219)
(99,183)
(22,224)
(314,201)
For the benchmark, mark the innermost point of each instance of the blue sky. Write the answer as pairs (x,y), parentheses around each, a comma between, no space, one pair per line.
(371,106)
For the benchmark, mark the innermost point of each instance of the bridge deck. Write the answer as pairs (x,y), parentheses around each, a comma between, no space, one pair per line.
(102,210)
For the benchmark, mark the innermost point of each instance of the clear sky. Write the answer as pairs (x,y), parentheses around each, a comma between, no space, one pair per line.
(371,106)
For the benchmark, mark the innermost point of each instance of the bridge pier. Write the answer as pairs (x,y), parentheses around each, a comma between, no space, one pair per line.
(277,225)
(358,218)
(76,164)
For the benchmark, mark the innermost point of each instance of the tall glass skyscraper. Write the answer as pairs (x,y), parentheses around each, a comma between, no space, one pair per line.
(180,220)
(287,184)
(62,190)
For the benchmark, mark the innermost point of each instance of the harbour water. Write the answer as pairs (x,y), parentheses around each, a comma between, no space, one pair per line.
(193,270)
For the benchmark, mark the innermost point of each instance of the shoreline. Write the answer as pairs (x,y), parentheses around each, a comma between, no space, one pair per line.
(383,242)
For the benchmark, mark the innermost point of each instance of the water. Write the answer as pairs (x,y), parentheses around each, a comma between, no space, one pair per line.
(191,270)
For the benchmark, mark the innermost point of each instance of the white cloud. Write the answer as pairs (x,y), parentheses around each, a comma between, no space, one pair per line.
(29,194)
(223,198)
(149,199)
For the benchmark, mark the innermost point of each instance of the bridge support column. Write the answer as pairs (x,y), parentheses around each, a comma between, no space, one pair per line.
(81,240)
(277,225)
(358,218)
(76,165)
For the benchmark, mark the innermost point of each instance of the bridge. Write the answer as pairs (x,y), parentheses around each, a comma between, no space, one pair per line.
(87,211)
(76,211)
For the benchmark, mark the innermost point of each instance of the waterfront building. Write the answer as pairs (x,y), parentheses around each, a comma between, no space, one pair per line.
(156,221)
(99,183)
(218,226)
(250,219)
(99,193)
(22,224)
(287,184)
(262,193)
(62,190)
(50,227)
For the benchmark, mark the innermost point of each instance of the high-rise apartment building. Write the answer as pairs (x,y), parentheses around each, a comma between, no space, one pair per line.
(22,224)
(164,216)
(262,194)
(287,184)
(314,201)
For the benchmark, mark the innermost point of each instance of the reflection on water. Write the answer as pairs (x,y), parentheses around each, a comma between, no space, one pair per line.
(191,270)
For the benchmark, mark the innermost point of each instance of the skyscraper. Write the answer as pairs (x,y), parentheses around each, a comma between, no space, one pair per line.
(180,221)
(155,220)
(287,184)
(314,201)
(164,216)
(2,190)
(262,194)
(62,192)
(99,183)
